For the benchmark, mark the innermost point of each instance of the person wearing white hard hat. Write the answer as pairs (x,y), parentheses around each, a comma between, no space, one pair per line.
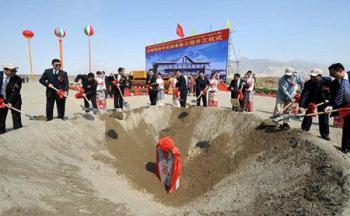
(10,96)
(287,85)
(315,91)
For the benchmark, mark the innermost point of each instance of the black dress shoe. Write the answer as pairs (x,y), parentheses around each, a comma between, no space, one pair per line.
(326,138)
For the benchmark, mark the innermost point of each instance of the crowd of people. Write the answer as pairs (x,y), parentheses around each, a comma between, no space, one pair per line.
(320,96)
(205,89)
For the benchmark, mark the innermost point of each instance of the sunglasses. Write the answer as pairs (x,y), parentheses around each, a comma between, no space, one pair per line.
(57,65)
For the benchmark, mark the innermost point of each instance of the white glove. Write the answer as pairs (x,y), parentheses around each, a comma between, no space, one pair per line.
(328,109)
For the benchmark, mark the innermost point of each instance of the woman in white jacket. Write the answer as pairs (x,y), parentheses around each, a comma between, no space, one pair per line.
(101,90)
(161,95)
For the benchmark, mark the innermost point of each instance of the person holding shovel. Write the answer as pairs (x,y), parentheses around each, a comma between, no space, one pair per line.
(340,99)
(10,96)
(89,89)
(201,89)
(314,98)
(55,78)
(119,83)
(285,94)
(152,87)
(237,88)
(181,85)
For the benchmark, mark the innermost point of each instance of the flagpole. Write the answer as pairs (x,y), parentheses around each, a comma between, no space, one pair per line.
(89,55)
(61,51)
(30,58)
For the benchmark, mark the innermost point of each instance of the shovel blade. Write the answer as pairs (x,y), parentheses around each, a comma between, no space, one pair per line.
(126,105)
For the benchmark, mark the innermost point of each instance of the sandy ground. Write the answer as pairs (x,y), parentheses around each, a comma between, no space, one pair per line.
(81,166)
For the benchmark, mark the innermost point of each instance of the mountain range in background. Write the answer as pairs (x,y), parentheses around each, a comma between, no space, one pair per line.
(271,68)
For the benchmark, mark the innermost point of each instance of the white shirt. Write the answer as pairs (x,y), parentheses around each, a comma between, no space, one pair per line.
(160,81)
(101,85)
(238,82)
(5,81)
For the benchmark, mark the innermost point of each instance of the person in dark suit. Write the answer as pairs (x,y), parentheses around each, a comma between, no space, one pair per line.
(237,85)
(55,77)
(10,86)
(152,87)
(119,83)
(315,91)
(340,98)
(182,86)
(201,88)
(89,85)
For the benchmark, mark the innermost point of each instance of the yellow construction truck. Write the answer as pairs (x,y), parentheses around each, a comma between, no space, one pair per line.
(138,78)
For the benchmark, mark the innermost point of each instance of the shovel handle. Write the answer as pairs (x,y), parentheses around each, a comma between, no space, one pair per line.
(241,90)
(17,110)
(200,95)
(320,113)
(286,107)
(66,96)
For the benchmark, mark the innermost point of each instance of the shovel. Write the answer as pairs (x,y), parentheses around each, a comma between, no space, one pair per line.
(199,96)
(91,108)
(235,101)
(273,122)
(39,117)
(72,100)
(283,117)
(125,103)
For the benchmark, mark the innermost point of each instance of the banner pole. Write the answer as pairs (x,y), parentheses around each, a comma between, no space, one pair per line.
(234,53)
(61,51)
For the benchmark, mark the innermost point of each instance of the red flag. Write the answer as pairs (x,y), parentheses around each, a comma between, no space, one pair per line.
(180,31)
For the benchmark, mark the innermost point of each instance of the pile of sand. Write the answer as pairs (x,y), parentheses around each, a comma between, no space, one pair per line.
(105,165)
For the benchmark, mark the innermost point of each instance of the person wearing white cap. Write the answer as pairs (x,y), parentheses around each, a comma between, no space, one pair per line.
(315,91)
(10,96)
(285,94)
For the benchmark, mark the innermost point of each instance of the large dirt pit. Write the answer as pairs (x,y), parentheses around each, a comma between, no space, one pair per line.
(105,166)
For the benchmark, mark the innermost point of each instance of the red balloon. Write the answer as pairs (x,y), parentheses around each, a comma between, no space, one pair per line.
(28,34)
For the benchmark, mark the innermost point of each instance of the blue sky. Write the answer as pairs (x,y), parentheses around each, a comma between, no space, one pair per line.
(311,30)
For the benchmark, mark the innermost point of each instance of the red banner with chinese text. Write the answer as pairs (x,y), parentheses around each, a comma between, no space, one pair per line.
(211,37)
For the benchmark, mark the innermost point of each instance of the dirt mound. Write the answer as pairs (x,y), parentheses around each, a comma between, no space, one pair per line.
(207,155)
(105,165)
(218,145)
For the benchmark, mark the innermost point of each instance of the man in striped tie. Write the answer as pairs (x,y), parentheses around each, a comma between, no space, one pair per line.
(340,98)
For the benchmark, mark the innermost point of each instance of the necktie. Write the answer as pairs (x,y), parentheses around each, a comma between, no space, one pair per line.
(339,99)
